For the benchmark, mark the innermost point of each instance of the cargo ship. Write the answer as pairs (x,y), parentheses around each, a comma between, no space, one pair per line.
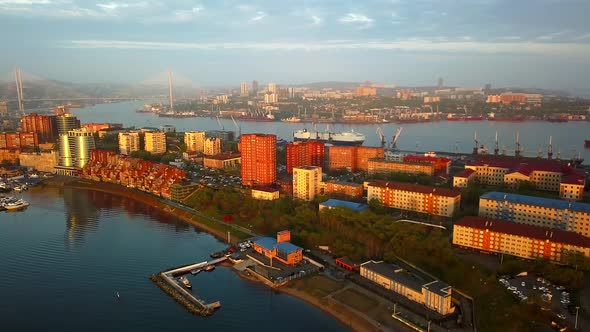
(340,138)
(452,117)
(493,117)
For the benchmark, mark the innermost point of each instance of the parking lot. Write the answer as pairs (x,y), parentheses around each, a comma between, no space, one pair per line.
(530,288)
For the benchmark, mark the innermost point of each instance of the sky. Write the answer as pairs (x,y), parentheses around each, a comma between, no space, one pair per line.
(508,43)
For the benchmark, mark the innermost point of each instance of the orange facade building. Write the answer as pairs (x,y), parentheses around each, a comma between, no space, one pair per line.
(9,154)
(44,126)
(382,166)
(353,158)
(280,249)
(259,159)
(365,91)
(18,140)
(526,241)
(343,188)
(441,165)
(310,153)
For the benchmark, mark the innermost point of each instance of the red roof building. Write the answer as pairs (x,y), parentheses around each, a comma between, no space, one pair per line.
(441,165)
(310,153)
(517,239)
(259,159)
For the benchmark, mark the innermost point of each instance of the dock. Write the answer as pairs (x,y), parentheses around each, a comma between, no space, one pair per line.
(166,281)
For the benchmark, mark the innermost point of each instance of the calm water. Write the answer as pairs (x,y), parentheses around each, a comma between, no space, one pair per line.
(568,138)
(63,259)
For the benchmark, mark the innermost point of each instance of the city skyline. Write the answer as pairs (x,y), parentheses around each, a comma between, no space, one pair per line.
(469,43)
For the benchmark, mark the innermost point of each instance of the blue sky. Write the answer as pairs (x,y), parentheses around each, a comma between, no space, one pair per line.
(528,43)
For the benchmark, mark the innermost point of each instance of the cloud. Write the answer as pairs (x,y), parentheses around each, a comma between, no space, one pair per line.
(582,37)
(245,8)
(25,2)
(510,38)
(260,15)
(413,45)
(186,15)
(363,21)
(553,35)
(315,19)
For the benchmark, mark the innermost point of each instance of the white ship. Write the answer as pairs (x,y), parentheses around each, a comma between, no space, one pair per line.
(340,138)
(292,119)
(14,204)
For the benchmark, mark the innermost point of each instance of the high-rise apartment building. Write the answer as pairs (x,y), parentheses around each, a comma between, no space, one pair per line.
(255,87)
(212,146)
(271,98)
(272,88)
(128,142)
(307,181)
(3,108)
(244,89)
(259,159)
(194,140)
(16,140)
(353,157)
(155,142)
(65,123)
(44,126)
(75,147)
(310,153)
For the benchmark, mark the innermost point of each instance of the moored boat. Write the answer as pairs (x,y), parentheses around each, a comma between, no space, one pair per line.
(185,282)
(339,138)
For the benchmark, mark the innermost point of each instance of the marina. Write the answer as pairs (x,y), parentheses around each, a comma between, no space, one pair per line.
(175,283)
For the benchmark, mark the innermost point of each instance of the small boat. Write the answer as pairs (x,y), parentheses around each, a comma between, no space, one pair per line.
(210,268)
(118,296)
(185,282)
(16,204)
(196,271)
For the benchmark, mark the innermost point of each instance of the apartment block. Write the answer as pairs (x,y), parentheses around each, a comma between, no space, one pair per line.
(526,241)
(212,146)
(382,166)
(310,153)
(194,140)
(537,211)
(128,142)
(353,158)
(307,181)
(155,142)
(343,188)
(413,197)
(44,126)
(259,159)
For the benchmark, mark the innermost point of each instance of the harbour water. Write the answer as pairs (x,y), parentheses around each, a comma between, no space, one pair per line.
(66,256)
(452,136)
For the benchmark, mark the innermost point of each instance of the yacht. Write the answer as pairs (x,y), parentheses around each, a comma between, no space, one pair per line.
(15,204)
(185,282)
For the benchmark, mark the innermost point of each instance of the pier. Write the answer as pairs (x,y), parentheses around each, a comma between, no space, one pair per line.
(166,281)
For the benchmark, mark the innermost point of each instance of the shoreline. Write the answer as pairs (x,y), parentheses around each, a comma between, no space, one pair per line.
(330,307)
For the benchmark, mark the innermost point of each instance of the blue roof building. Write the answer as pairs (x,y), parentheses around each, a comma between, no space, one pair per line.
(334,203)
(280,248)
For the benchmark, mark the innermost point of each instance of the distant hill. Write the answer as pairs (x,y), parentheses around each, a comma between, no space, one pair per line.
(329,84)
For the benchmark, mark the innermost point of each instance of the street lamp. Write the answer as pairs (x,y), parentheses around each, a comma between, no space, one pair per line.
(576,324)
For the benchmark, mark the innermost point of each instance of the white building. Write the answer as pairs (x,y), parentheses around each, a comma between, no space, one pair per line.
(307,181)
(128,142)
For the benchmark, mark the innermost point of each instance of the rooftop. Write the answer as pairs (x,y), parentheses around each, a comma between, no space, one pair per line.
(535,232)
(539,201)
(416,188)
(574,178)
(345,183)
(438,287)
(465,173)
(395,273)
(332,203)
(224,156)
(269,243)
(307,168)
(266,189)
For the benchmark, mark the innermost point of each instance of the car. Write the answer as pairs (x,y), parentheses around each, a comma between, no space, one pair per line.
(522,284)
(561,316)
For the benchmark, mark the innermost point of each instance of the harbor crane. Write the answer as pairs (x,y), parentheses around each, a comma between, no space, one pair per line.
(238,128)
(219,123)
(398,133)
(381,136)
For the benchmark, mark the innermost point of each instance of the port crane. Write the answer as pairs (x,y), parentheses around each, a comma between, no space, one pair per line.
(398,133)
(379,132)
(238,128)
(219,123)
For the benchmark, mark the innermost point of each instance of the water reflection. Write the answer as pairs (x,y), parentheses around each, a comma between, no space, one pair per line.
(84,209)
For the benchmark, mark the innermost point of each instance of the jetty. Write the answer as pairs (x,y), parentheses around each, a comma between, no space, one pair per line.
(166,280)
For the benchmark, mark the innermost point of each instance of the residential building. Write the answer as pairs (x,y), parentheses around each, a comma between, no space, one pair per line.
(310,153)
(335,203)
(384,166)
(272,88)
(255,87)
(364,91)
(347,264)
(65,123)
(223,135)
(212,146)
(536,211)
(155,142)
(18,140)
(97,127)
(441,165)
(244,89)
(271,98)
(526,241)
(3,108)
(280,249)
(168,129)
(464,178)
(41,161)
(10,154)
(194,140)
(225,160)
(543,174)
(572,186)
(343,188)
(306,182)
(431,99)
(75,148)
(434,295)
(414,197)
(128,142)
(353,158)
(259,159)
(44,126)
(180,191)
(265,193)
